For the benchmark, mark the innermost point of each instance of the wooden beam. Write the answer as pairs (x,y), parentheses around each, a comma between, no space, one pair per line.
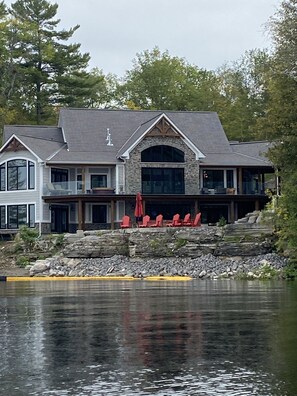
(232,211)
(240,189)
(80,214)
(112,211)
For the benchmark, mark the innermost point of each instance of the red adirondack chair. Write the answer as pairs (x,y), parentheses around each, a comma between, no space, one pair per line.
(187,220)
(197,220)
(176,222)
(125,222)
(159,221)
(145,221)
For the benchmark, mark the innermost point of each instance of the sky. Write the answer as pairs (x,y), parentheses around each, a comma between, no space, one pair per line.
(207,33)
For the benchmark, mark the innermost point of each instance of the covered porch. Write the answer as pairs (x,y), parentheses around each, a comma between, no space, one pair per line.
(231,207)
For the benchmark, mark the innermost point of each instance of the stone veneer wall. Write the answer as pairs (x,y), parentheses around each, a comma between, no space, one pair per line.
(134,164)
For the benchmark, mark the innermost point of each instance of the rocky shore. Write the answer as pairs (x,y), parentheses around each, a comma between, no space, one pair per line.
(203,267)
(243,250)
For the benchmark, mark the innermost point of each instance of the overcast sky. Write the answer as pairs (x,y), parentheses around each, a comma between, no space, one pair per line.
(206,33)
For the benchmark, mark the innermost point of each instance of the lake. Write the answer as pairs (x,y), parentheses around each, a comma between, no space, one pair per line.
(94,338)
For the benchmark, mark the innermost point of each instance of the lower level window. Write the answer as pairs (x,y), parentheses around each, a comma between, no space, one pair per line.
(2,217)
(18,215)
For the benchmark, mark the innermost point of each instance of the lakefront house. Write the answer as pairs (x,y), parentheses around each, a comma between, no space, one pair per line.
(85,173)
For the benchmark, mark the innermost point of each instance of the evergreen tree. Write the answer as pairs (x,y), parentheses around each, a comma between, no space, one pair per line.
(49,70)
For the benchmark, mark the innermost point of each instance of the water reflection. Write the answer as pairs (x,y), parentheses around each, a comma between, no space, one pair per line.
(196,338)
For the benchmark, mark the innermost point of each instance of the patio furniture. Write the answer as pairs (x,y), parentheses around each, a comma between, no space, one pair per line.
(159,221)
(186,222)
(197,220)
(61,190)
(145,221)
(176,222)
(125,222)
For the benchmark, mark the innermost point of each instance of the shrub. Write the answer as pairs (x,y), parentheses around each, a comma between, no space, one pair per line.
(22,261)
(28,236)
(222,222)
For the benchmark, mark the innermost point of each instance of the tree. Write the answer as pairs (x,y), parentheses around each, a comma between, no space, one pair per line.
(46,66)
(281,116)
(244,88)
(160,81)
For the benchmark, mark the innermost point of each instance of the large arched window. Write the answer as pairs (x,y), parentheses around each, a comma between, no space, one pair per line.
(17,174)
(162,153)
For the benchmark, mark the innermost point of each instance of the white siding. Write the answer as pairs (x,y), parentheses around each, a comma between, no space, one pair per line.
(20,196)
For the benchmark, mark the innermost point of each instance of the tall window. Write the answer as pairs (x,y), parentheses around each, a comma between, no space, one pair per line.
(162,153)
(163,181)
(18,174)
(2,217)
(2,178)
(18,215)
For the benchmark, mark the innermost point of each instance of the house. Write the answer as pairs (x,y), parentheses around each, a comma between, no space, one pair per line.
(85,172)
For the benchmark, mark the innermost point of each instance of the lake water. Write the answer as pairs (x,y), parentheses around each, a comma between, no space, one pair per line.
(148,338)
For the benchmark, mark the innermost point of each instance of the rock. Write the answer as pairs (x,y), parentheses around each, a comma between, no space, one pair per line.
(39,267)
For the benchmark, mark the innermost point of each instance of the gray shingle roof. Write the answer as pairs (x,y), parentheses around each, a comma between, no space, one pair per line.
(44,141)
(254,150)
(85,131)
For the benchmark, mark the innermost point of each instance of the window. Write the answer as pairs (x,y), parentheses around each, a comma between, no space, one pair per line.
(2,178)
(18,215)
(20,175)
(2,217)
(59,175)
(162,154)
(218,178)
(79,182)
(163,181)
(213,178)
(98,181)
(31,216)
(99,214)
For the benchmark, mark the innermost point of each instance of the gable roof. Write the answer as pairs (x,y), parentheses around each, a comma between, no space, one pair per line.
(146,127)
(43,141)
(81,137)
(86,129)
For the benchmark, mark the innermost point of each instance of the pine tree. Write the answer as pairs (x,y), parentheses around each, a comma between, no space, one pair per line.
(46,65)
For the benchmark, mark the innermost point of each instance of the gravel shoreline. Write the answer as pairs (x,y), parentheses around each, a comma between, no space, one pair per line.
(207,266)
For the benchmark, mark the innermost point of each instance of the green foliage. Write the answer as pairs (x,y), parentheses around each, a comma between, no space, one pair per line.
(281,119)
(28,236)
(60,240)
(22,261)
(222,222)
(290,271)
(244,88)
(180,242)
(39,69)
(160,81)
(265,272)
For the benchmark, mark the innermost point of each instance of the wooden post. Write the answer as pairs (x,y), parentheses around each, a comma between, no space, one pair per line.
(257,205)
(112,214)
(232,211)
(80,214)
(240,189)
(83,180)
(196,206)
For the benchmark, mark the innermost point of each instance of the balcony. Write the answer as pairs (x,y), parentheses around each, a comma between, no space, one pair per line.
(73,188)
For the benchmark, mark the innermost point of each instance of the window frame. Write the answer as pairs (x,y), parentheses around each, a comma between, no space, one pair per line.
(163,153)
(163,178)
(30,215)
(6,170)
